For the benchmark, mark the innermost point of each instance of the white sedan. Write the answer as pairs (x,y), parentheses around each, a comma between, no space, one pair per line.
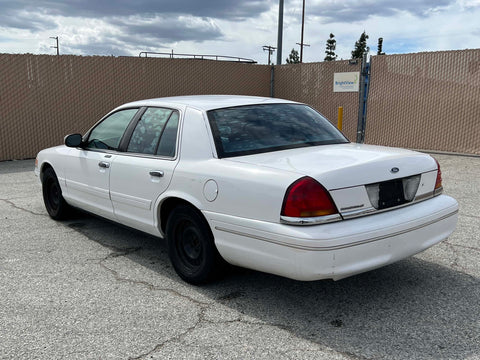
(262,183)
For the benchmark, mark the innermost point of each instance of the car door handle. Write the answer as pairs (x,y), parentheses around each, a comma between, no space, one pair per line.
(156,173)
(104,164)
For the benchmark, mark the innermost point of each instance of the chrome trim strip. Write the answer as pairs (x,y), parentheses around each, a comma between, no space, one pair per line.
(310,220)
(126,153)
(352,207)
(425,196)
(336,247)
(361,212)
(372,210)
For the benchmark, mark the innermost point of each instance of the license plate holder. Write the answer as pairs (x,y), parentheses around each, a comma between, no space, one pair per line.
(391,194)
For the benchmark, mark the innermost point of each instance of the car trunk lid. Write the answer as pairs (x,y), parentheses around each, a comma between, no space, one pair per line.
(345,165)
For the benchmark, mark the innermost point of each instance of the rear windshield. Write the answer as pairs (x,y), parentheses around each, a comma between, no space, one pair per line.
(253,129)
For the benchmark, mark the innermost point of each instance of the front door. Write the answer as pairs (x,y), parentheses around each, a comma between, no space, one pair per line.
(87,171)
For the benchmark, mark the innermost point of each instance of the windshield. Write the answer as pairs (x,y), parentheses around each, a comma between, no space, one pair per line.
(254,129)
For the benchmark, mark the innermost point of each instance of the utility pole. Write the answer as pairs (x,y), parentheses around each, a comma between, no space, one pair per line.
(303,26)
(280,32)
(270,49)
(55,47)
(301,50)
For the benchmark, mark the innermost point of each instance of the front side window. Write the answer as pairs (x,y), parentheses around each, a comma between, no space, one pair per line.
(107,134)
(254,129)
(155,133)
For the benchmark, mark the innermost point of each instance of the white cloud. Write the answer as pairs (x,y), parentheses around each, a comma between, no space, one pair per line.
(407,26)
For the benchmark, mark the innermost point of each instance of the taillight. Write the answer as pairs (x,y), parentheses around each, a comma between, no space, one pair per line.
(307,198)
(438,182)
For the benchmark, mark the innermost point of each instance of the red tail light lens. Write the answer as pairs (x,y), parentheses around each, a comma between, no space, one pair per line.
(438,182)
(307,198)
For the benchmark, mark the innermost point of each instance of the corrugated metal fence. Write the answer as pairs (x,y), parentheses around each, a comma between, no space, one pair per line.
(424,101)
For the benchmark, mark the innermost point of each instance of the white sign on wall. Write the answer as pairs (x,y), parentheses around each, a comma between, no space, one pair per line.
(346,82)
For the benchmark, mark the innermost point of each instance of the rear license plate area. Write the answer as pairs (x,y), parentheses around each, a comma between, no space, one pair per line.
(390,194)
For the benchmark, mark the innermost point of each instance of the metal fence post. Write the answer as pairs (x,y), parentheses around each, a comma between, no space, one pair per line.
(272,81)
(362,102)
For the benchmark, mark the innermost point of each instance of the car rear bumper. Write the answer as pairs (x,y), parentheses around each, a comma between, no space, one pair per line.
(335,250)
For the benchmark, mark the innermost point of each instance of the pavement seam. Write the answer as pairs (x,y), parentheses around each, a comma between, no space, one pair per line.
(464,246)
(200,320)
(203,306)
(11,203)
(471,216)
(346,354)
(456,255)
(125,252)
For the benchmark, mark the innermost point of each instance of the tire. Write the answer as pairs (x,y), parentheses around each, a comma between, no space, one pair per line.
(54,202)
(191,246)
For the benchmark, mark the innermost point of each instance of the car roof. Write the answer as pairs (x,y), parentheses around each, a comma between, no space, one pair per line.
(206,102)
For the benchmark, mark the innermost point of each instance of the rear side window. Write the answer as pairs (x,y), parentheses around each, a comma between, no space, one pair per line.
(254,129)
(108,133)
(168,141)
(155,133)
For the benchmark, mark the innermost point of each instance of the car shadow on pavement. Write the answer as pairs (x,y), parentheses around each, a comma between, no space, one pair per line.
(411,309)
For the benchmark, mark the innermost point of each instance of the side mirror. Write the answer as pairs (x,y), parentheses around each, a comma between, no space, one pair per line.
(73,140)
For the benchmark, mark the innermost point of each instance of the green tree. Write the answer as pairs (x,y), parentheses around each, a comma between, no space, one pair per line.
(360,47)
(293,58)
(330,49)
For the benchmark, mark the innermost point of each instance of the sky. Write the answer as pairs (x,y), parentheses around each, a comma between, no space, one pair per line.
(235,27)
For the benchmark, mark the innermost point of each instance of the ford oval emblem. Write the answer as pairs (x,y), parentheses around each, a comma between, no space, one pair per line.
(394,170)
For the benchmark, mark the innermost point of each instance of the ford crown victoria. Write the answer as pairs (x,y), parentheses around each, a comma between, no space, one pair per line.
(262,183)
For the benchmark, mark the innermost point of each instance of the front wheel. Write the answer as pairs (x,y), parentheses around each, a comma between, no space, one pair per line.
(55,204)
(191,246)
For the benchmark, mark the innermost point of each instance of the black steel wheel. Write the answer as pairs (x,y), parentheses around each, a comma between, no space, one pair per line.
(55,204)
(191,246)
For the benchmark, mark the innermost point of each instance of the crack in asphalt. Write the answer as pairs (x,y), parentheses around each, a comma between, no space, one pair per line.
(464,246)
(456,255)
(203,306)
(471,216)
(150,286)
(346,354)
(11,203)
(120,252)
(200,320)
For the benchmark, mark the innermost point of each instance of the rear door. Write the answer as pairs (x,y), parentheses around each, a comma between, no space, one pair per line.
(144,170)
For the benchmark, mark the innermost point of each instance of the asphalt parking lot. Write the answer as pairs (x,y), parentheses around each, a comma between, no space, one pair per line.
(89,289)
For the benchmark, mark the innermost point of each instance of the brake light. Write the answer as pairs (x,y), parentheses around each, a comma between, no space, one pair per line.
(307,198)
(438,182)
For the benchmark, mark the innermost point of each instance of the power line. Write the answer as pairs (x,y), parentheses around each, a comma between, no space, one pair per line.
(302,45)
(55,47)
(270,49)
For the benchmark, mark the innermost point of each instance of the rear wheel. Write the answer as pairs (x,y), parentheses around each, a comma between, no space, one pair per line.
(55,204)
(191,246)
